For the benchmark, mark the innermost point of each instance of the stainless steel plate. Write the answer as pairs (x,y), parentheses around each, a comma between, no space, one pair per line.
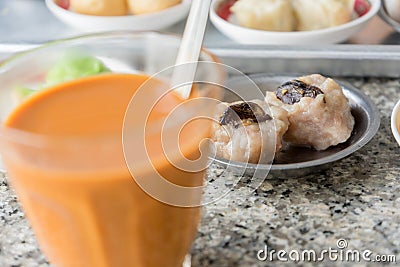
(298,161)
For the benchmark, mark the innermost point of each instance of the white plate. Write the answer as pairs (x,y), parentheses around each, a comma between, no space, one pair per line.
(145,22)
(332,35)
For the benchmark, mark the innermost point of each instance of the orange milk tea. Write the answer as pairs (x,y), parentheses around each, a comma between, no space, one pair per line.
(78,194)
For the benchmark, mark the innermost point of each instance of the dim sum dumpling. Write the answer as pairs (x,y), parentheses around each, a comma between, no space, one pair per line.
(268,15)
(321,14)
(246,132)
(150,6)
(319,112)
(100,7)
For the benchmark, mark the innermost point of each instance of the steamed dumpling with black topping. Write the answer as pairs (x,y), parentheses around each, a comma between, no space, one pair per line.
(248,131)
(321,14)
(268,15)
(319,112)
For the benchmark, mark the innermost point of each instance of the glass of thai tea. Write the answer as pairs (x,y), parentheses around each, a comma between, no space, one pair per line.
(104,157)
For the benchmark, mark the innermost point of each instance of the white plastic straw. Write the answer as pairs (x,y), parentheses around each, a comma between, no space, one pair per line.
(189,50)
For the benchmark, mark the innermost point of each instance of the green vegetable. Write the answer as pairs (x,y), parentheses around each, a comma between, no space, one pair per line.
(25,92)
(22,93)
(70,67)
(73,67)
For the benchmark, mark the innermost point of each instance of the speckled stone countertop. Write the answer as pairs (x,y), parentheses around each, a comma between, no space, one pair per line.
(357,199)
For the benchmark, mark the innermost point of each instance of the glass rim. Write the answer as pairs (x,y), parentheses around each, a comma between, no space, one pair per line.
(105,34)
(10,134)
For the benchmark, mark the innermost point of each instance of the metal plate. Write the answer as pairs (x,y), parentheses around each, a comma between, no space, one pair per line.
(298,161)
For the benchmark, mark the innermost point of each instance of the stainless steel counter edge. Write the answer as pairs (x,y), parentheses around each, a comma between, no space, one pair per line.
(334,60)
(355,52)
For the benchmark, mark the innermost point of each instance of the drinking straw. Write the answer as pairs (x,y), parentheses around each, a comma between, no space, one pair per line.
(189,50)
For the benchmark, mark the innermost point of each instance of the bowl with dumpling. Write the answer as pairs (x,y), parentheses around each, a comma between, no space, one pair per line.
(292,22)
(107,15)
(302,124)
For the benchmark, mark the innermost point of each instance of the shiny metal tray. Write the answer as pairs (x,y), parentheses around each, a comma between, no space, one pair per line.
(295,161)
(25,24)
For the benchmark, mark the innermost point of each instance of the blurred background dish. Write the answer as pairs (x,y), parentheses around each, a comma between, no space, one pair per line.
(146,21)
(390,13)
(393,8)
(395,123)
(227,23)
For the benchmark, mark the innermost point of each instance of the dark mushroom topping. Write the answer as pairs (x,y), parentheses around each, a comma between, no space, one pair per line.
(246,112)
(292,91)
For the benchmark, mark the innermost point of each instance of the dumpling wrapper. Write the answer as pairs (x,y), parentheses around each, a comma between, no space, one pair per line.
(318,122)
(322,14)
(267,15)
(254,142)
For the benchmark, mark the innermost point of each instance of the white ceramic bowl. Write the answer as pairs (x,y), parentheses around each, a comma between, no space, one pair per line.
(332,35)
(393,8)
(145,22)
(396,122)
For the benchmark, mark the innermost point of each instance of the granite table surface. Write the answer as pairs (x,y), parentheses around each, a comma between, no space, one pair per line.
(357,199)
